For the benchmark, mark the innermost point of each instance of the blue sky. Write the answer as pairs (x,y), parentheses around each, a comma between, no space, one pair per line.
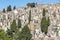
(22,3)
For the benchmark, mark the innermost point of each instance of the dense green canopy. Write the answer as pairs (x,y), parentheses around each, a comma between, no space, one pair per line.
(45,23)
(9,8)
(25,33)
(13,26)
(4,36)
(19,35)
(31,5)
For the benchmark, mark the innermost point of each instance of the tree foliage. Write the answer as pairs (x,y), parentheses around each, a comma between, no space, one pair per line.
(19,23)
(4,36)
(14,7)
(13,29)
(4,10)
(25,33)
(45,23)
(31,4)
(9,8)
(29,16)
(13,26)
(43,12)
(19,35)
(9,32)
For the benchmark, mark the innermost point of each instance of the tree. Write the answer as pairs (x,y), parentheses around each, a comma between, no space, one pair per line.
(14,7)
(19,35)
(25,34)
(29,16)
(4,36)
(9,8)
(4,10)
(13,26)
(13,30)
(31,4)
(9,32)
(19,23)
(43,12)
(48,21)
(8,37)
(44,26)
(45,23)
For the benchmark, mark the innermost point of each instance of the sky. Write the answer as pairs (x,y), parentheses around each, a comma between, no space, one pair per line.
(22,3)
